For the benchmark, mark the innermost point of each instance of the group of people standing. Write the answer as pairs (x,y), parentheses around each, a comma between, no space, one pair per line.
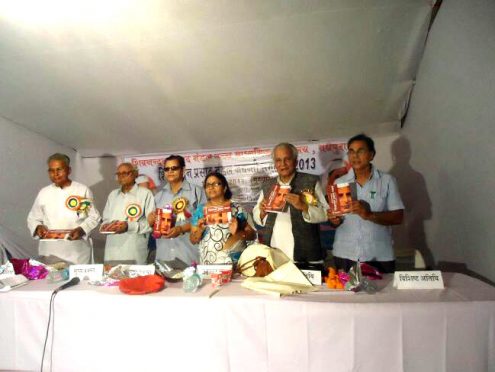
(363,235)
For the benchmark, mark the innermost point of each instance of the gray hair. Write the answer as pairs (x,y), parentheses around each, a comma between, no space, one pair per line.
(134,169)
(288,146)
(59,157)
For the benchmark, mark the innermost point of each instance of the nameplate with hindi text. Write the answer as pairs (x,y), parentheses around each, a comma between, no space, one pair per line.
(86,272)
(140,270)
(314,276)
(7,270)
(418,280)
(205,271)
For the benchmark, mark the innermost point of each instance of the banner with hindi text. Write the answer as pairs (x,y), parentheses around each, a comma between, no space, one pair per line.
(245,168)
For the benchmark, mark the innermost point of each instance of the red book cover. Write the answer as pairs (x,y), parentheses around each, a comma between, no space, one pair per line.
(276,199)
(164,221)
(340,197)
(215,215)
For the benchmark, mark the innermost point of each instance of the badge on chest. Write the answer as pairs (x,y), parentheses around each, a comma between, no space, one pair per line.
(133,212)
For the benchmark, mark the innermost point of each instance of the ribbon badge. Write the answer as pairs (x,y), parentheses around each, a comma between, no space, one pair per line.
(179,206)
(78,204)
(309,197)
(133,212)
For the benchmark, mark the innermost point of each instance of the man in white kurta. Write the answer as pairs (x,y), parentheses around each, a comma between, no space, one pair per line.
(131,204)
(51,211)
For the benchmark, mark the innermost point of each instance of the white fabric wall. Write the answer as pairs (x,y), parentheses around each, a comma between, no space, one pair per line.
(99,175)
(23,173)
(450,128)
(22,156)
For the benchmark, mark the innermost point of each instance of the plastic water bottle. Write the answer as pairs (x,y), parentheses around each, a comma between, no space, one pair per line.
(191,281)
(58,276)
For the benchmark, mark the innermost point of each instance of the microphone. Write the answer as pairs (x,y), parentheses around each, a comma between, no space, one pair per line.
(74,281)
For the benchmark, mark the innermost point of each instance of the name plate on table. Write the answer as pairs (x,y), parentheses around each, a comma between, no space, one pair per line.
(314,276)
(206,270)
(7,270)
(86,272)
(418,280)
(140,270)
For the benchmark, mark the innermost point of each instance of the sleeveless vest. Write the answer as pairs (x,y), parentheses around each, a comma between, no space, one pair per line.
(307,246)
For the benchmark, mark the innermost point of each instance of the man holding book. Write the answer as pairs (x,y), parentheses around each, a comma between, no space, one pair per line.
(183,198)
(125,218)
(364,234)
(294,228)
(66,206)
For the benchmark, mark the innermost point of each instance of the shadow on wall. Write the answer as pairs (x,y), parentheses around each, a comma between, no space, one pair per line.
(410,235)
(457,267)
(106,168)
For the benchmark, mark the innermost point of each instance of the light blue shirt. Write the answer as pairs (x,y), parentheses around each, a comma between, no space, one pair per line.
(179,247)
(359,239)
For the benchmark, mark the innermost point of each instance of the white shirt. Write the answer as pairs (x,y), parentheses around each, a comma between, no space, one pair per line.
(133,244)
(50,209)
(282,237)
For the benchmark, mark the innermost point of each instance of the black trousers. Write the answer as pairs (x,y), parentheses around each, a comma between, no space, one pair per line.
(382,266)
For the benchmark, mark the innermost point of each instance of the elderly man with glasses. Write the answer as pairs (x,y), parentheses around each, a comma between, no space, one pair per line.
(294,230)
(125,218)
(183,197)
(64,205)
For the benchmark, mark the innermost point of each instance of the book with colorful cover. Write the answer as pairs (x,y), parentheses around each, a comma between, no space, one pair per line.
(340,197)
(56,234)
(215,215)
(275,203)
(164,221)
(111,227)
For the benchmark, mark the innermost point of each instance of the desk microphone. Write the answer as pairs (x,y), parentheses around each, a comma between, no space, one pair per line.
(74,281)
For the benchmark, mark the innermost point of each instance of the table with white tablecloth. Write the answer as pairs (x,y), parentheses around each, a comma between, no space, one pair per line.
(100,328)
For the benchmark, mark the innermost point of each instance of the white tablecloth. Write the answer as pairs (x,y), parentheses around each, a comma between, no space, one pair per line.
(237,330)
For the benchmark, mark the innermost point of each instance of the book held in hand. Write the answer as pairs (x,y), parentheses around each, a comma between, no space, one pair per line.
(215,215)
(55,234)
(164,221)
(275,202)
(112,227)
(340,197)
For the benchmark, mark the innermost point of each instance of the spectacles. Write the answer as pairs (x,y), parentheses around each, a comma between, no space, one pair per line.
(123,174)
(213,184)
(56,170)
(171,169)
(358,152)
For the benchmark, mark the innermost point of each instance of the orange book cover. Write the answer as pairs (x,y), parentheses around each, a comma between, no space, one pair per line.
(111,227)
(56,234)
(276,199)
(215,215)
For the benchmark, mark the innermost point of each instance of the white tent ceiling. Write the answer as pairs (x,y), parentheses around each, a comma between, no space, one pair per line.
(141,76)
